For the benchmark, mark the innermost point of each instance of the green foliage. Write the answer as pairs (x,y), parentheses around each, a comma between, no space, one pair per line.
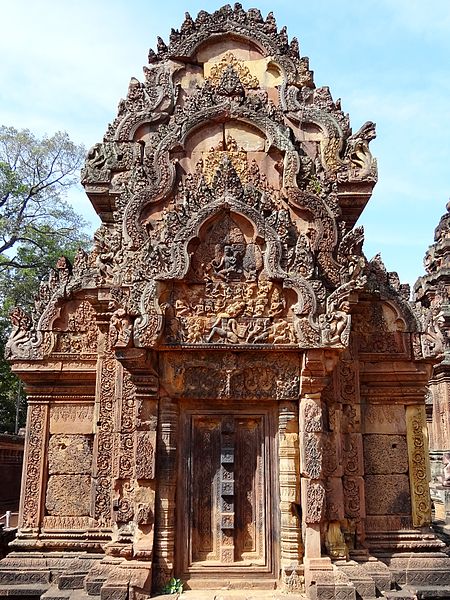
(10,391)
(35,175)
(173,586)
(315,186)
(37,226)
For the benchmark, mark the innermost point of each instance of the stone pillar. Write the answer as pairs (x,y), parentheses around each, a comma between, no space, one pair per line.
(291,549)
(165,517)
(34,474)
(135,455)
(147,391)
(313,485)
(419,466)
(317,366)
(104,409)
(349,402)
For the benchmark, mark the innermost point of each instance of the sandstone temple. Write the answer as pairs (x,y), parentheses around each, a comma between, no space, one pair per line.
(225,391)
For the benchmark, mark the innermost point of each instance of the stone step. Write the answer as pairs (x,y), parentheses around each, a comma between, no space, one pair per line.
(72,581)
(363,582)
(419,593)
(399,595)
(12,576)
(75,574)
(55,593)
(31,591)
(83,595)
(232,595)
(425,593)
(231,584)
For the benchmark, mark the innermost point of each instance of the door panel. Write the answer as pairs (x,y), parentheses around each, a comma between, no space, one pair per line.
(249,490)
(205,457)
(225,513)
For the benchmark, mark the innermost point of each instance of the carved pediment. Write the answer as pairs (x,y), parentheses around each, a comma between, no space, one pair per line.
(225,172)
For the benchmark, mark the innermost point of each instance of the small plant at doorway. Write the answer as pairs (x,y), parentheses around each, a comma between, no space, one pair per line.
(173,586)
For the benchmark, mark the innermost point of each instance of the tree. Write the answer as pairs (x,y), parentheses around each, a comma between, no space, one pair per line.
(37,226)
(34,177)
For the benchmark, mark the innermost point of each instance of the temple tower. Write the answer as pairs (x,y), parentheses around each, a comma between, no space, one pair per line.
(225,390)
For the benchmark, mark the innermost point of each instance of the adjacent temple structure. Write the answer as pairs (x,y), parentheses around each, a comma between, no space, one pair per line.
(225,390)
(431,294)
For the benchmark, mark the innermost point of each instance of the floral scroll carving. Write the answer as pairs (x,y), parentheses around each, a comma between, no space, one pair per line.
(416,430)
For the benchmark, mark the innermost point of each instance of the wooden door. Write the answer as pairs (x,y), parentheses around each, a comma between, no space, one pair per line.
(226,509)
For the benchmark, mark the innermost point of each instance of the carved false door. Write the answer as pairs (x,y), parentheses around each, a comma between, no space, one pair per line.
(226,514)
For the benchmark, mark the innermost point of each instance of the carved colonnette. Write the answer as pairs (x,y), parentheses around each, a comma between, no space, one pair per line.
(291,547)
(165,510)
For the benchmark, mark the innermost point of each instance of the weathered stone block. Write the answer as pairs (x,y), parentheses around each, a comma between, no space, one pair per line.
(352,454)
(385,454)
(354,505)
(332,455)
(72,418)
(69,454)
(380,418)
(387,494)
(68,495)
(335,499)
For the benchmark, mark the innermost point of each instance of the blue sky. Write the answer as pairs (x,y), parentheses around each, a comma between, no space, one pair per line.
(66,64)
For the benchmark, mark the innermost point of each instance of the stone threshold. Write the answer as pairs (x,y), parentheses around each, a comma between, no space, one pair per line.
(221,594)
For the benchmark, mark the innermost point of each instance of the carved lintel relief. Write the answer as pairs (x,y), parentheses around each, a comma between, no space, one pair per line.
(419,469)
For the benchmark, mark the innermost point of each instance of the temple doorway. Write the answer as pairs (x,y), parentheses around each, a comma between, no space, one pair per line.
(227,492)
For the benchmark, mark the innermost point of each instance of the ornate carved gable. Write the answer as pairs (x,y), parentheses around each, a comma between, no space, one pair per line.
(228,186)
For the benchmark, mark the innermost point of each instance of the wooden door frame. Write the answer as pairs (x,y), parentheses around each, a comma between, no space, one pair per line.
(269,411)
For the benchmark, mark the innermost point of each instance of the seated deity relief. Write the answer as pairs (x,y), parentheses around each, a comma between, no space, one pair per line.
(226,251)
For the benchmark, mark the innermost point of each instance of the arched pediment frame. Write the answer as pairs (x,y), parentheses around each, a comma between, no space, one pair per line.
(273,44)
(278,137)
(152,311)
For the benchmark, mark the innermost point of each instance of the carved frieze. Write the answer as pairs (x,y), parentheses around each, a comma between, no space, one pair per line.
(145,454)
(71,418)
(68,523)
(315,502)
